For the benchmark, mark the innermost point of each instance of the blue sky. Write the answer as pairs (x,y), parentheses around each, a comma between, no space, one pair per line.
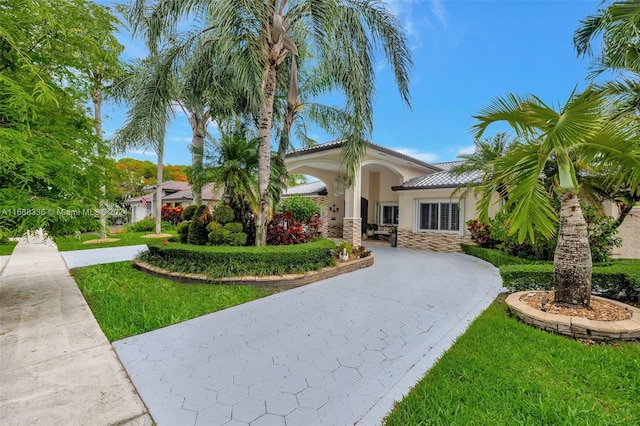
(465,53)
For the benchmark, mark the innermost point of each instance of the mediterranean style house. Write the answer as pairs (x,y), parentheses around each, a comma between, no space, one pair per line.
(392,189)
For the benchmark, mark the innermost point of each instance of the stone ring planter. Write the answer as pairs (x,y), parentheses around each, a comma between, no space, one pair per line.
(576,327)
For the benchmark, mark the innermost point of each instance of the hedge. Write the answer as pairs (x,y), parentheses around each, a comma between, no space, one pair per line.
(226,261)
(495,257)
(617,279)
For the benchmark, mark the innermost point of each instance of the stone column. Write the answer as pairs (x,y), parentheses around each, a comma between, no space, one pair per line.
(352,223)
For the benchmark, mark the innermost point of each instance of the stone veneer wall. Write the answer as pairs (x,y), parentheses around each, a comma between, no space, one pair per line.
(321,200)
(353,231)
(434,241)
(334,229)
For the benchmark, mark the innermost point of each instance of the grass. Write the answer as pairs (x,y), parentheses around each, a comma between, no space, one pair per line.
(7,248)
(126,239)
(127,302)
(503,372)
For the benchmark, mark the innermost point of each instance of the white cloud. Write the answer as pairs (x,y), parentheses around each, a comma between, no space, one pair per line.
(469,149)
(427,157)
(438,9)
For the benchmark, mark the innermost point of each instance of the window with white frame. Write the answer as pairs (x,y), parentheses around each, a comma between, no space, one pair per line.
(388,214)
(438,216)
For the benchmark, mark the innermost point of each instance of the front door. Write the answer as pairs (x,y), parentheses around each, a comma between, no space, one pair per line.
(364,213)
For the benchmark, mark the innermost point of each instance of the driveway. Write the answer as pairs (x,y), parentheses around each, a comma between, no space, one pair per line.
(336,352)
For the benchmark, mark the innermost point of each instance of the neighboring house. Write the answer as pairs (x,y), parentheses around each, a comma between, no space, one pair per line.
(174,194)
(394,189)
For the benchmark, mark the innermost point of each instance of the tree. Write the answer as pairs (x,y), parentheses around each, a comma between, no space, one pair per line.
(619,25)
(152,89)
(481,160)
(258,36)
(49,155)
(579,131)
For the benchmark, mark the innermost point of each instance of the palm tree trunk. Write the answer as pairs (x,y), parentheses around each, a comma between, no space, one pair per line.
(264,151)
(96,96)
(198,127)
(160,152)
(572,260)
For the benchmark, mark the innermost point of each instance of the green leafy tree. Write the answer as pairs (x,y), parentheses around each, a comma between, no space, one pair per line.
(579,131)
(49,153)
(259,36)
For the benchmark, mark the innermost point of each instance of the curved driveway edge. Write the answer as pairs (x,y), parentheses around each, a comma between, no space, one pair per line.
(336,352)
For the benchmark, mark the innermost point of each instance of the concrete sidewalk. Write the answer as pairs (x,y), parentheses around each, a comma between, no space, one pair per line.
(56,365)
(80,258)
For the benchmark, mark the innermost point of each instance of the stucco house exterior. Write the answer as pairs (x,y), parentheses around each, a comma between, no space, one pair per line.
(394,189)
(390,189)
(174,194)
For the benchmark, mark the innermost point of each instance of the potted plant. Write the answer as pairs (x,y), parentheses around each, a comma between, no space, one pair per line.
(393,236)
(371,229)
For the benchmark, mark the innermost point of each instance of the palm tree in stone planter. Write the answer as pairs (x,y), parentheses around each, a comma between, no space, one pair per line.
(579,131)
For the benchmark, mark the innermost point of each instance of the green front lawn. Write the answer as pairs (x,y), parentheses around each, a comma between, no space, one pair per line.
(503,372)
(127,302)
(7,248)
(69,243)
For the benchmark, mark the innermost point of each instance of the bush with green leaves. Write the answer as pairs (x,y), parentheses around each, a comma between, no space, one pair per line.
(147,224)
(225,261)
(189,211)
(223,214)
(603,233)
(183,231)
(228,235)
(495,257)
(198,233)
(302,208)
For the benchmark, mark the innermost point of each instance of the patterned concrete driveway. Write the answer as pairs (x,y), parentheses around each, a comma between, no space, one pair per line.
(337,352)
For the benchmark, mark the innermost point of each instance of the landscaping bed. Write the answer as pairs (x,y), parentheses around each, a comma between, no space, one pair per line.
(225,261)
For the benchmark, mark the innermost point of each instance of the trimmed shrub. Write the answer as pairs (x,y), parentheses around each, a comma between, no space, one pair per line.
(183,231)
(223,214)
(189,211)
(233,227)
(224,261)
(302,208)
(619,281)
(213,226)
(238,239)
(495,257)
(145,225)
(198,233)
(219,236)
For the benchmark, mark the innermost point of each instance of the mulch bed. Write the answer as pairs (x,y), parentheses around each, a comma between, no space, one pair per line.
(156,236)
(98,241)
(598,311)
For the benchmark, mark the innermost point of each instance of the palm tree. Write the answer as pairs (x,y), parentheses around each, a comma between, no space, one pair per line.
(578,131)
(619,25)
(258,36)
(485,152)
(151,89)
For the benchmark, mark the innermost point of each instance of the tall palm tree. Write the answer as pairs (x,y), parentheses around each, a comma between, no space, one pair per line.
(151,89)
(259,36)
(577,131)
